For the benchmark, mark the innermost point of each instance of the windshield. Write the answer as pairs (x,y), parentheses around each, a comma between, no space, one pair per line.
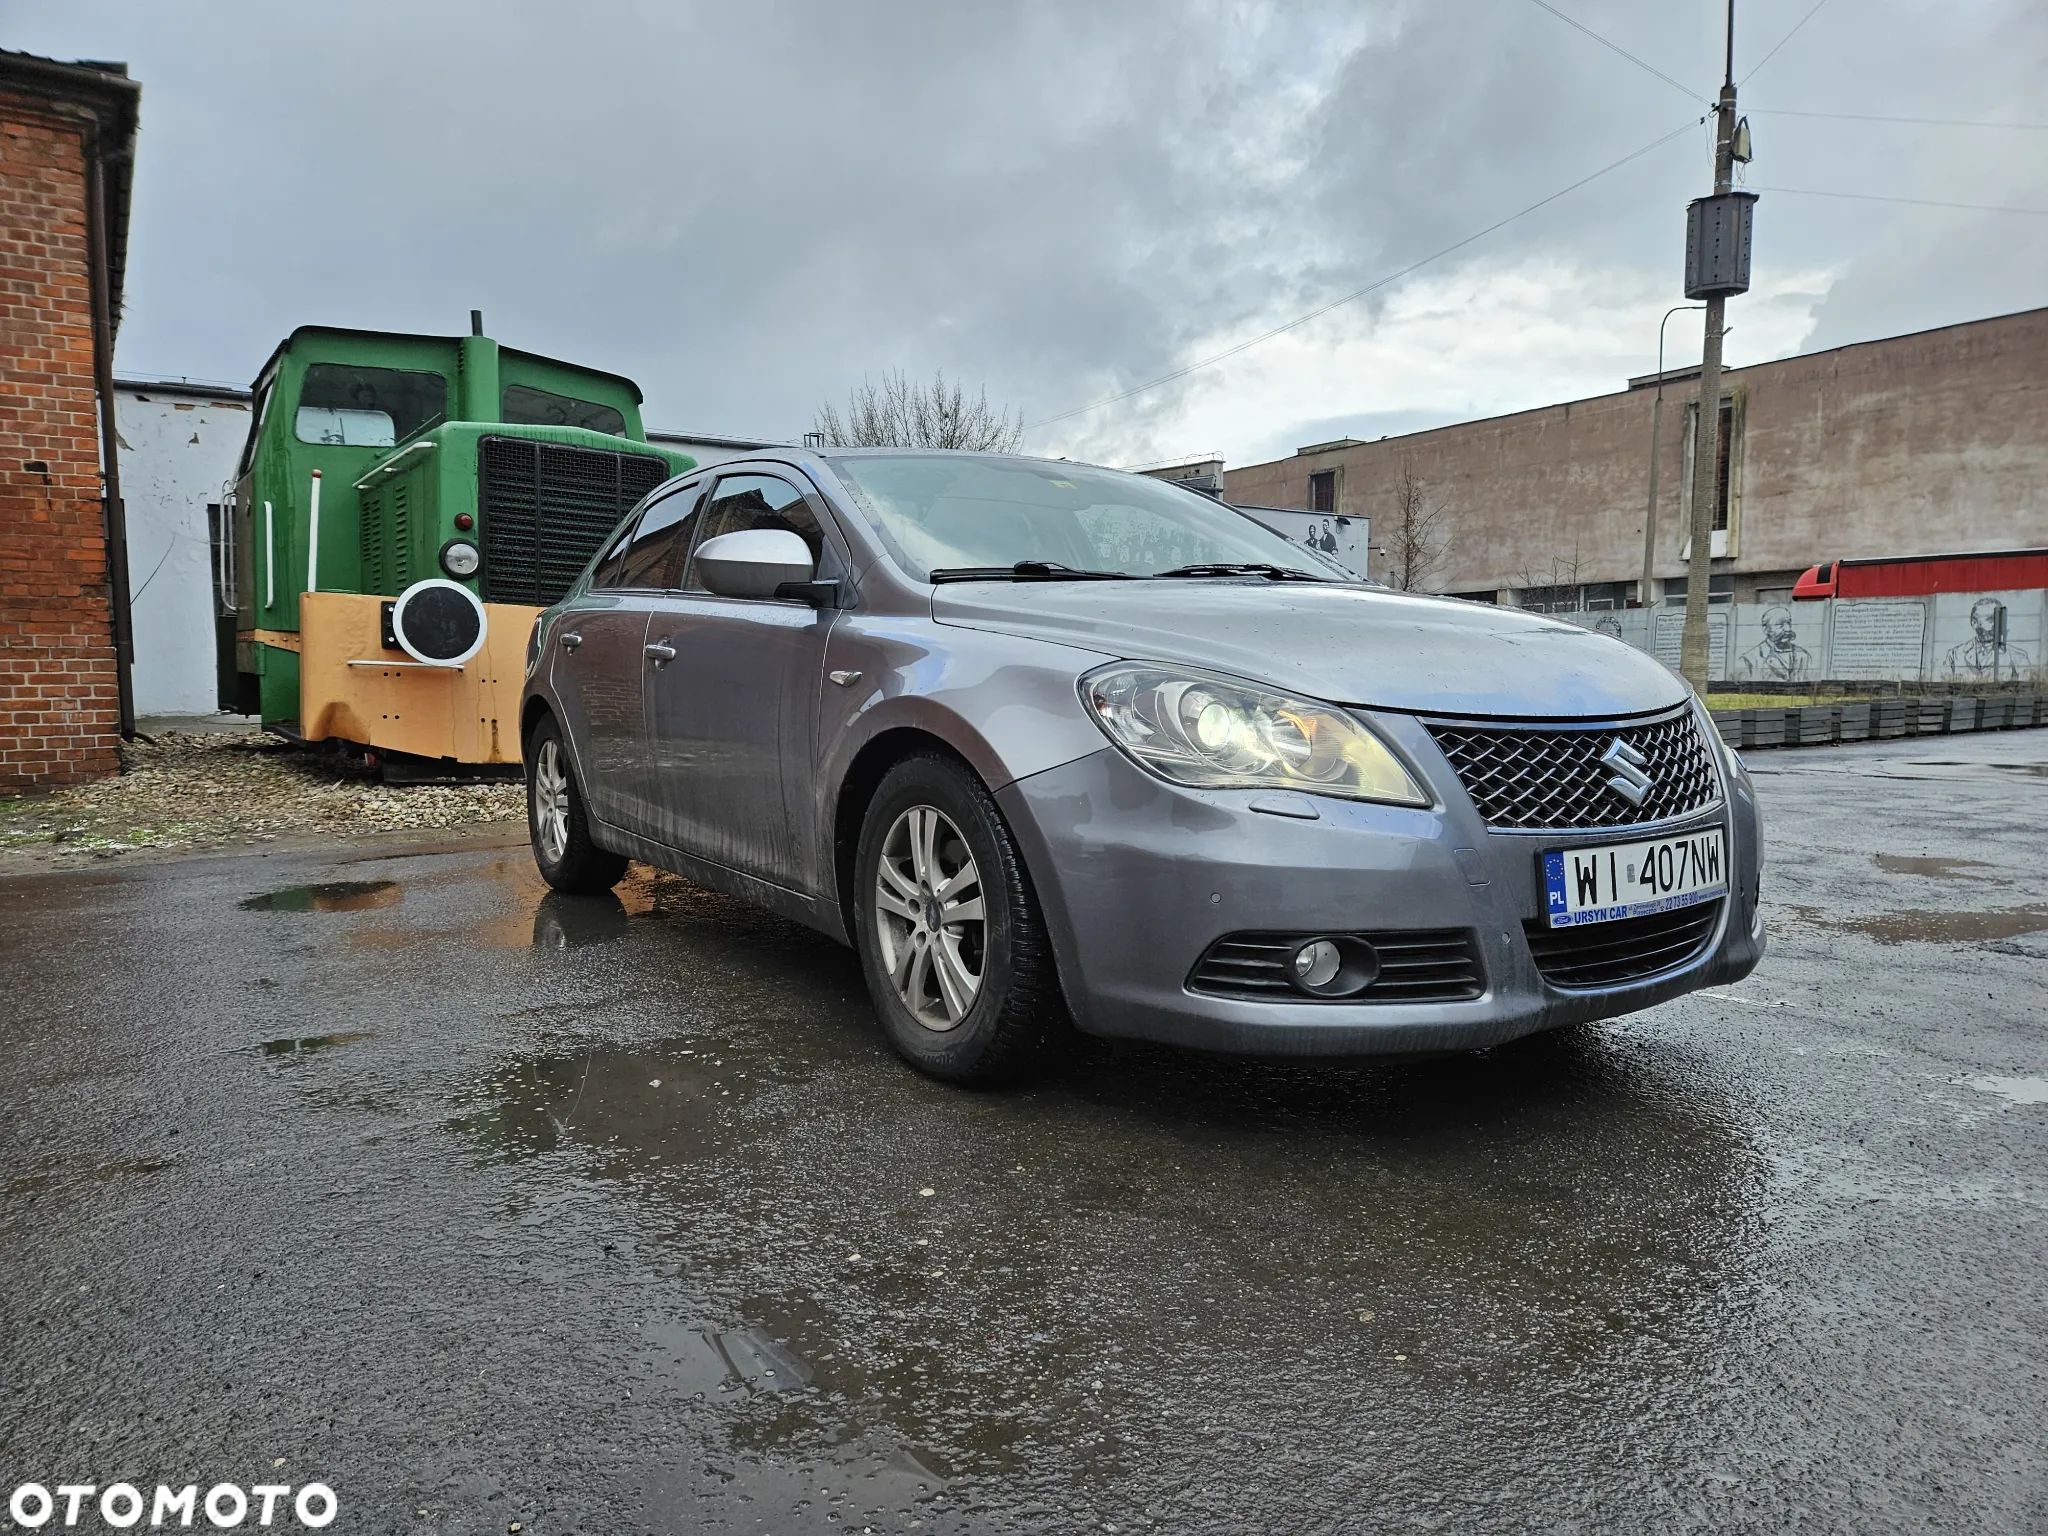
(946,512)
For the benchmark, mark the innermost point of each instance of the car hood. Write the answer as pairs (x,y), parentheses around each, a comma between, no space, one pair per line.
(1341,643)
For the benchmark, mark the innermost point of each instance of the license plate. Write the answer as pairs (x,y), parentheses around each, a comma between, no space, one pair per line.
(1613,880)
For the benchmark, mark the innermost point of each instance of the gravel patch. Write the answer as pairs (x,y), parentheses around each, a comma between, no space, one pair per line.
(204,790)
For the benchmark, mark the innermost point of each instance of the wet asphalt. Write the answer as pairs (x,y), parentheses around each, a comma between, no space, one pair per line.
(486,1206)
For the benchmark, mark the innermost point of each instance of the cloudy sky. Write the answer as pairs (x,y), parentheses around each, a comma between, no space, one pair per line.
(748,206)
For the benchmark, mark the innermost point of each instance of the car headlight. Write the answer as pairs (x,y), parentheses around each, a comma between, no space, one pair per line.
(1213,733)
(460,558)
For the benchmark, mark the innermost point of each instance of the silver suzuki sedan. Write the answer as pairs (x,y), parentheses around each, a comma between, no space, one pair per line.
(1045,742)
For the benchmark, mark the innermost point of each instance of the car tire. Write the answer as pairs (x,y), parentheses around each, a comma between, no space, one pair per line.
(556,822)
(1014,1006)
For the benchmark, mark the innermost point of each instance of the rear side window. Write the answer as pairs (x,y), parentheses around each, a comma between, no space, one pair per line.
(524,406)
(652,554)
(758,501)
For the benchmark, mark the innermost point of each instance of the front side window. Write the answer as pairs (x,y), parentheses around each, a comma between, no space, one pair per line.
(651,554)
(524,406)
(348,406)
(938,512)
(758,501)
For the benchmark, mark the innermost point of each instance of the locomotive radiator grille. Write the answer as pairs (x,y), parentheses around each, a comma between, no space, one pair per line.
(544,508)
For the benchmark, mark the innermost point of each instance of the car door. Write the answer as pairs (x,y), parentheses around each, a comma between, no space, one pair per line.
(732,719)
(600,657)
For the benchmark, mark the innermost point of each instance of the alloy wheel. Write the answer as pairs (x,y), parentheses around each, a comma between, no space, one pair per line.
(930,918)
(551,802)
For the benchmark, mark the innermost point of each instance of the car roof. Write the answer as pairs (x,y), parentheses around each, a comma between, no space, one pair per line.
(829,454)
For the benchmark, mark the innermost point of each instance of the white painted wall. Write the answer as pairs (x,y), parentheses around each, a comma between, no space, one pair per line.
(177,450)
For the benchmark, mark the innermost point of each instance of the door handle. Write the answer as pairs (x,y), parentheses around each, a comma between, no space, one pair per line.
(661,651)
(571,640)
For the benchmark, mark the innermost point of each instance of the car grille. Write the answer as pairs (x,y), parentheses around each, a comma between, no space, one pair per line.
(1626,949)
(546,507)
(1550,777)
(1420,965)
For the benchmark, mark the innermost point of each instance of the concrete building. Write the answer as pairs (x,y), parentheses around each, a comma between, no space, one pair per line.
(1922,444)
(67,145)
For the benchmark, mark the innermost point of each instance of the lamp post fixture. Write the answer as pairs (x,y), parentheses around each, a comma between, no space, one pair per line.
(1643,597)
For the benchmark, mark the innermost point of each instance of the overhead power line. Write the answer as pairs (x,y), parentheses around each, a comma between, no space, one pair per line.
(1609,43)
(1802,21)
(1874,117)
(1919,202)
(1358,293)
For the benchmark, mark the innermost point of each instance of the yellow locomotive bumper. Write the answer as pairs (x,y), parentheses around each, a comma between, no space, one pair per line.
(354,688)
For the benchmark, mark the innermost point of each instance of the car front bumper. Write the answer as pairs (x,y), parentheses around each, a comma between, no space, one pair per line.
(1138,877)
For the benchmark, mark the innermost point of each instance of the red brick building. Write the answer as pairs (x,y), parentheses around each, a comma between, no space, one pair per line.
(67,142)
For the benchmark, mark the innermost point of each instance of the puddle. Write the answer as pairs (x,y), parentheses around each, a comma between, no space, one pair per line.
(575,922)
(334,896)
(640,1109)
(2016,1090)
(1933,866)
(2034,770)
(1925,927)
(708,1360)
(308,1045)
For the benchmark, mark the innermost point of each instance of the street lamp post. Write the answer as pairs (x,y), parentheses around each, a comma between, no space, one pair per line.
(1656,441)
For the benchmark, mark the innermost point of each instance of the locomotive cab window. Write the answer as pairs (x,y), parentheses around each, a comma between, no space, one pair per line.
(349,406)
(527,407)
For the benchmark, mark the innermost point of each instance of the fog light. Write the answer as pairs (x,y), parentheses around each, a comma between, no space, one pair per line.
(1342,965)
(1316,965)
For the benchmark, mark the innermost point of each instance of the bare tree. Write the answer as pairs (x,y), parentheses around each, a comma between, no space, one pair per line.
(1555,588)
(896,413)
(1419,542)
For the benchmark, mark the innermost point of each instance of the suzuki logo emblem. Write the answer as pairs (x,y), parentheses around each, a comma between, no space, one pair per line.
(1627,776)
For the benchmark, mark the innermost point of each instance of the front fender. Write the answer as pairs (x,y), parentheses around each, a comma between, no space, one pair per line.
(1010,706)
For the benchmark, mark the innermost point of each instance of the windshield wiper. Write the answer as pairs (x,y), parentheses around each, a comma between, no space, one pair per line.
(1027,570)
(1247,568)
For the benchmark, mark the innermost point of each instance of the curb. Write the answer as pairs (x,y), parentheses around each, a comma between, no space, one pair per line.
(1812,725)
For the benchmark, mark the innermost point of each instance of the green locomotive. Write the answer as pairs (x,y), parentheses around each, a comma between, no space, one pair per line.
(402,509)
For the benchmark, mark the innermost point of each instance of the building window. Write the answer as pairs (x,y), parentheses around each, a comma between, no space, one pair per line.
(1724,446)
(1720,589)
(1727,473)
(1322,491)
(1591,596)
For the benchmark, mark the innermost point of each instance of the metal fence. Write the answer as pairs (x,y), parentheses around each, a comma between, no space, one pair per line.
(1953,638)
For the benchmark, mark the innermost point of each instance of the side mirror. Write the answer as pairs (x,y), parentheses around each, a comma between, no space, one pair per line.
(753,562)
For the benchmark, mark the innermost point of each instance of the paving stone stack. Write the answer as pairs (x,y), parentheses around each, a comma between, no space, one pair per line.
(1807,725)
